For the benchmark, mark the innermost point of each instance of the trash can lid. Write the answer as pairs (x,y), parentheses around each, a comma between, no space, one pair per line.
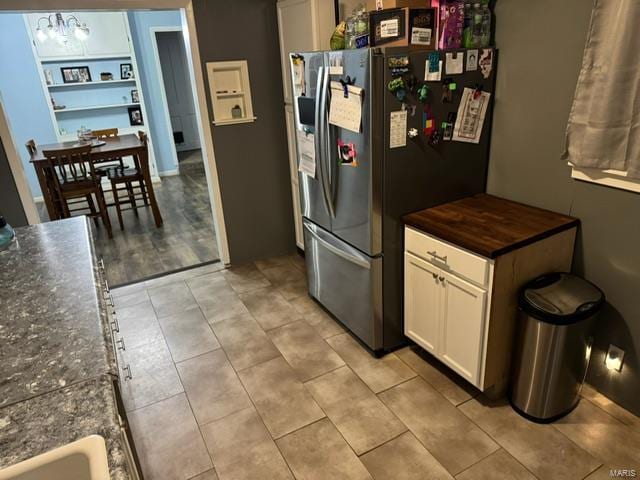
(560,298)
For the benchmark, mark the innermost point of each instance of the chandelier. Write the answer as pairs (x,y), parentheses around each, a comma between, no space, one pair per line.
(59,28)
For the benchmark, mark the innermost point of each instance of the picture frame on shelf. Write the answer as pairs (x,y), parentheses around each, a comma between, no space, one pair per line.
(75,74)
(135,116)
(135,96)
(126,71)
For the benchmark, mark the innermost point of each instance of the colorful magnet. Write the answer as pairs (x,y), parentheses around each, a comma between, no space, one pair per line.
(486,62)
(347,154)
(434,138)
(447,91)
(434,62)
(397,62)
(428,122)
(472,60)
(423,93)
(397,87)
(447,127)
(412,133)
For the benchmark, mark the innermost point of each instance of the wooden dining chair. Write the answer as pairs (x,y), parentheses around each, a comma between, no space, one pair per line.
(103,167)
(74,178)
(31,146)
(129,180)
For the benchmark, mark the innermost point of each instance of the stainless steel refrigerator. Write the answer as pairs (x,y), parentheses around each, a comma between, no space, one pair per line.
(352,216)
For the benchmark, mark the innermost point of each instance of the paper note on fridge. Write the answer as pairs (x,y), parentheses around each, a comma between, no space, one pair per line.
(345,111)
(307,153)
(470,118)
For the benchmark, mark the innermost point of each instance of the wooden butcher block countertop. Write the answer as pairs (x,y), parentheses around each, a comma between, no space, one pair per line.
(487,225)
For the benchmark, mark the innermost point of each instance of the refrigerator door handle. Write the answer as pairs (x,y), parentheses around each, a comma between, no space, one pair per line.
(325,156)
(318,143)
(330,165)
(347,252)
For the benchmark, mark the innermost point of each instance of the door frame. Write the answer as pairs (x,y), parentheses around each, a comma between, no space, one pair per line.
(197,85)
(163,93)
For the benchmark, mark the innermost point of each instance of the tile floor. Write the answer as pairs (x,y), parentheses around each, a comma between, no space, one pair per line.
(238,374)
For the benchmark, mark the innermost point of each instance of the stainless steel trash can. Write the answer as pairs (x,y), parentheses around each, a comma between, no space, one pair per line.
(553,345)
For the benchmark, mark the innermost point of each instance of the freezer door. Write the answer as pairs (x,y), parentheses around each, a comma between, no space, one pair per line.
(346,282)
(356,190)
(313,196)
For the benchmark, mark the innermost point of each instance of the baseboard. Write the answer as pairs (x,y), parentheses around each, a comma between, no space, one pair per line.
(169,173)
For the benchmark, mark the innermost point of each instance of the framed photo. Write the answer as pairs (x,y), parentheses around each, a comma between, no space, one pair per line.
(135,98)
(126,71)
(75,74)
(135,116)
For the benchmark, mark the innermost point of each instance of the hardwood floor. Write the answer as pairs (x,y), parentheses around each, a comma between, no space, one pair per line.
(186,239)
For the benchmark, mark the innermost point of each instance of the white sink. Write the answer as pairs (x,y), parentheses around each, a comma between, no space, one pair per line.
(84,459)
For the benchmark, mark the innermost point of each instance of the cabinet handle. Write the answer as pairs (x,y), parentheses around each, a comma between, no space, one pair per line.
(115,326)
(101,265)
(435,275)
(120,343)
(441,278)
(127,372)
(435,255)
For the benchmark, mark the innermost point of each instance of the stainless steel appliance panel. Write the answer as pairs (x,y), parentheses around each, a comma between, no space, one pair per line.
(313,197)
(346,282)
(354,188)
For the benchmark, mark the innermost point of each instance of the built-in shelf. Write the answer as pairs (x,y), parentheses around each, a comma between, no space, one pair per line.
(233,121)
(229,94)
(96,107)
(89,84)
(82,58)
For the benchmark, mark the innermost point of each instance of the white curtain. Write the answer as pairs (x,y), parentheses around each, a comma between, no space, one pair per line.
(604,123)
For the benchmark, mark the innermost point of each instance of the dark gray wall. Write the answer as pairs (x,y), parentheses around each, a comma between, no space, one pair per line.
(252,157)
(541,45)
(10,204)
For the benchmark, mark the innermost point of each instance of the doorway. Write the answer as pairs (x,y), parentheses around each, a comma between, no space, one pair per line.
(187,191)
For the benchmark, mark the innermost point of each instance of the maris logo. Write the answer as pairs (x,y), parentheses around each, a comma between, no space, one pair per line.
(623,473)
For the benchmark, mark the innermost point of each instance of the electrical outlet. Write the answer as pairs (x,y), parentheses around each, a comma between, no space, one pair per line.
(614,358)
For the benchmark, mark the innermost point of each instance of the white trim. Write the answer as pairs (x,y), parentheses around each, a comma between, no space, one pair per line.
(197,84)
(17,169)
(204,129)
(169,173)
(609,178)
(163,93)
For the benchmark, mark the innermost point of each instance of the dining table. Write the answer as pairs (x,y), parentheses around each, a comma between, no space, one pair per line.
(105,150)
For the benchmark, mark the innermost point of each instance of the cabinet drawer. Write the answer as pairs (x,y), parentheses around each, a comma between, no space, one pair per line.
(447,256)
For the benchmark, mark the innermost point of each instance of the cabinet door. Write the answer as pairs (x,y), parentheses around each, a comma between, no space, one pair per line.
(50,48)
(293,173)
(463,319)
(109,34)
(297,30)
(422,302)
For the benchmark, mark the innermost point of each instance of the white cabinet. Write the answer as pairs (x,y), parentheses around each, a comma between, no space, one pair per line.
(109,33)
(461,306)
(293,172)
(422,303)
(49,48)
(462,327)
(445,315)
(304,26)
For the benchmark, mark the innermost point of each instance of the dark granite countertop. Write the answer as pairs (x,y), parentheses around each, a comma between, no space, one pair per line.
(52,325)
(57,364)
(55,419)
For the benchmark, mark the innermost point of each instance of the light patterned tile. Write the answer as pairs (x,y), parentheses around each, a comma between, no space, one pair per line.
(542,449)
(188,334)
(378,373)
(318,452)
(242,448)
(307,353)
(404,458)
(454,440)
(497,466)
(212,386)
(362,419)
(282,401)
(269,308)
